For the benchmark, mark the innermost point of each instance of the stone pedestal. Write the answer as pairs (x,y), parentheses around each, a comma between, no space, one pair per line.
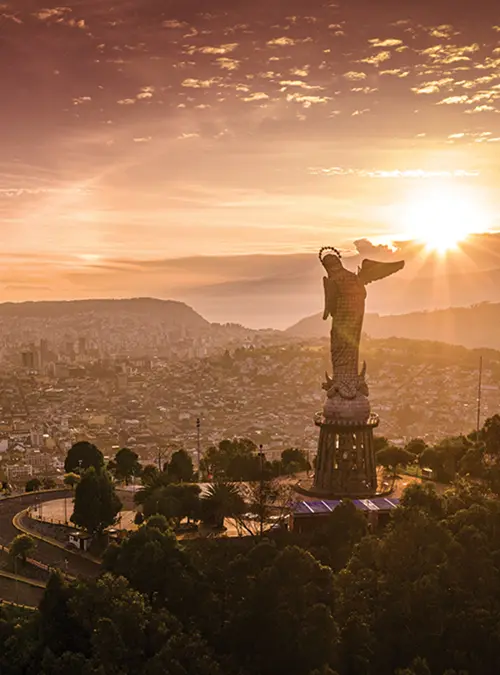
(345,463)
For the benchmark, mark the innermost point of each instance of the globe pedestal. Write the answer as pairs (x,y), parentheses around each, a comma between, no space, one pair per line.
(345,463)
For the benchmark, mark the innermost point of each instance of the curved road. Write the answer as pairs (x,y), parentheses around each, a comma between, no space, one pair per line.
(46,553)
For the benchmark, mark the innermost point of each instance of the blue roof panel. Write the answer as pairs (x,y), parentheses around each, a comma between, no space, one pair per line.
(326,506)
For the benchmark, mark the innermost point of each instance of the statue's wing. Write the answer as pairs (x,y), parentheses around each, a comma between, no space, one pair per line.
(372,270)
(330,297)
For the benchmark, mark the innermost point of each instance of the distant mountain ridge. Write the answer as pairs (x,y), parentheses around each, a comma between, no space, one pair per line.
(472,327)
(177,313)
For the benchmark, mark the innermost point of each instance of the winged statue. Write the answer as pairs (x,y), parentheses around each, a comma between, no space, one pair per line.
(345,296)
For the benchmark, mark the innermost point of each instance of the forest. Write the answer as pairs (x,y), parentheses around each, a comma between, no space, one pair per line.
(422,597)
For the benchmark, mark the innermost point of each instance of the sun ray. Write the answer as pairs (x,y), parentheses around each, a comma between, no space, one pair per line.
(442,216)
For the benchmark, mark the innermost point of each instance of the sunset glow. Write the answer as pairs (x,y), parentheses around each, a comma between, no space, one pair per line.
(441,217)
(189,151)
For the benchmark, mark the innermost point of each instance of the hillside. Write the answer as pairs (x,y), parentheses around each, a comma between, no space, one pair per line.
(476,326)
(172,312)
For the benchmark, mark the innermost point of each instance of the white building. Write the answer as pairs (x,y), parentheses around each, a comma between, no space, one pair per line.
(18,472)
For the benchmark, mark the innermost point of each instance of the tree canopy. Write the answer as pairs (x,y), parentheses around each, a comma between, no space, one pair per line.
(180,467)
(174,501)
(33,484)
(222,500)
(82,456)
(418,596)
(233,460)
(294,460)
(126,464)
(96,503)
(21,547)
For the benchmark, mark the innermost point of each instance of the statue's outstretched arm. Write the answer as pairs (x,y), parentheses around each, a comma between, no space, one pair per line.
(372,270)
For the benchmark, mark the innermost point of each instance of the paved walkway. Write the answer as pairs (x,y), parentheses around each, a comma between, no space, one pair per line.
(59,512)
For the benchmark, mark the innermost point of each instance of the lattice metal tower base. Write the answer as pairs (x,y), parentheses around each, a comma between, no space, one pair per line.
(345,463)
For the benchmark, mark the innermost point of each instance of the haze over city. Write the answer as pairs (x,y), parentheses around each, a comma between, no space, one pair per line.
(204,153)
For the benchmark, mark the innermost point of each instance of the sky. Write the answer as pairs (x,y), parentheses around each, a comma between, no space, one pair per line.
(205,150)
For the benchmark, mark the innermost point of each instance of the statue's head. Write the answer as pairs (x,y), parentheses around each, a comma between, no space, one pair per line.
(330,259)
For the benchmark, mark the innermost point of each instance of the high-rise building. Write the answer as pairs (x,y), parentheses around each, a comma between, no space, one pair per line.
(44,351)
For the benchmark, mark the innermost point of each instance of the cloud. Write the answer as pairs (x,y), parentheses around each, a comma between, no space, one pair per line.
(281,42)
(222,49)
(454,100)
(173,23)
(81,99)
(56,12)
(306,100)
(377,59)
(355,75)
(256,96)
(449,54)
(410,174)
(300,84)
(199,84)
(228,64)
(388,42)
(187,124)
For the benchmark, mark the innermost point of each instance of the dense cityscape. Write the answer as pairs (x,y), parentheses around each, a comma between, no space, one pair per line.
(146,390)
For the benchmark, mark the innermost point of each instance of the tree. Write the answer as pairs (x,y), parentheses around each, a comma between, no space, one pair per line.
(126,465)
(222,500)
(416,446)
(58,628)
(233,460)
(71,479)
(96,503)
(423,496)
(392,457)
(294,460)
(333,542)
(268,502)
(472,464)
(380,443)
(175,502)
(155,564)
(432,459)
(33,485)
(158,521)
(153,481)
(444,458)
(490,434)
(180,467)
(452,451)
(149,474)
(82,456)
(49,484)
(282,611)
(21,547)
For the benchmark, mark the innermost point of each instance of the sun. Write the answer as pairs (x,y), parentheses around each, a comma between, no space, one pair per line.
(442,216)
